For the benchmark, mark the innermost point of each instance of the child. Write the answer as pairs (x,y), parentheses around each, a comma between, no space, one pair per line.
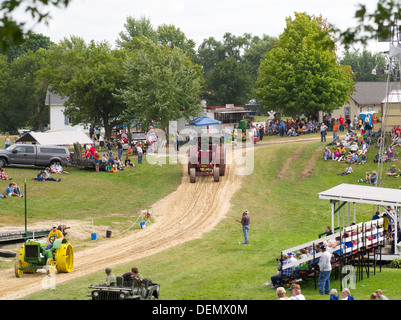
(362,159)
(3,175)
(128,162)
(97,161)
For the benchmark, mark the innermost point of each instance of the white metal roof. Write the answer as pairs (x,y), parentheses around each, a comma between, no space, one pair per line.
(57,138)
(363,194)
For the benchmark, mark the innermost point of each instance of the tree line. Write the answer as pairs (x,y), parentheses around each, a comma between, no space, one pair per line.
(158,74)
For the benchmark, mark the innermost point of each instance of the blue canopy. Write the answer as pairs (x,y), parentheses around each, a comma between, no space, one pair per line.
(204,121)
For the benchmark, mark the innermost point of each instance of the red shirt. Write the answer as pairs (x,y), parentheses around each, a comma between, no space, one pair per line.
(341,120)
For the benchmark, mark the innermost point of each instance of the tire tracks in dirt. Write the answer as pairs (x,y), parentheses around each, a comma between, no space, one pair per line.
(184,215)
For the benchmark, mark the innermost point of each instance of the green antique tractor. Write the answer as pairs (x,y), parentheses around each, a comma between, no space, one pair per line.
(34,255)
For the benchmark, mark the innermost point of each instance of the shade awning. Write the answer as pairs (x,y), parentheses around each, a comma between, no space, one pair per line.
(56,138)
(363,194)
(204,121)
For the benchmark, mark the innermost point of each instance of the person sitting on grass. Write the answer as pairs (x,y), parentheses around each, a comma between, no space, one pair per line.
(13,191)
(53,168)
(371,178)
(110,168)
(393,171)
(352,158)
(362,158)
(3,175)
(342,153)
(326,154)
(44,175)
(347,171)
(128,162)
(59,168)
(336,154)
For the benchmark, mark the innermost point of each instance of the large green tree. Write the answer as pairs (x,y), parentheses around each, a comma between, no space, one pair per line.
(162,84)
(166,35)
(230,67)
(300,75)
(89,76)
(22,93)
(362,64)
(228,83)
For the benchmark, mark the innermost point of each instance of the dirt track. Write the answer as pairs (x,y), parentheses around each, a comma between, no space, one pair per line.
(187,213)
(184,215)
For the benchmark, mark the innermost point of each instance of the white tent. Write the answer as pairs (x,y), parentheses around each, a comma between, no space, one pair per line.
(56,138)
(351,193)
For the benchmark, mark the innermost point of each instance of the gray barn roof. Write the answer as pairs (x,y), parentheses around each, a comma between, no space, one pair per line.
(370,93)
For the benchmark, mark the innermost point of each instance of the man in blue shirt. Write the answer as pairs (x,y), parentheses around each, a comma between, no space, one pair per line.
(376,216)
(281,272)
(13,191)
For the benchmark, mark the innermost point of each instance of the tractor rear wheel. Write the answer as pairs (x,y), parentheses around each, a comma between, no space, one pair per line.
(65,258)
(216,174)
(192,175)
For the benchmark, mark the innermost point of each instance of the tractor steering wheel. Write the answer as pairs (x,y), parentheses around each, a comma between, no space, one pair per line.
(52,238)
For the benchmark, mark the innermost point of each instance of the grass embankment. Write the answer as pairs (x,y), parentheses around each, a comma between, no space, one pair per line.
(113,201)
(285,211)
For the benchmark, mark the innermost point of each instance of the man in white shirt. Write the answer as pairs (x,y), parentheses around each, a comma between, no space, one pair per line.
(325,271)
(296,292)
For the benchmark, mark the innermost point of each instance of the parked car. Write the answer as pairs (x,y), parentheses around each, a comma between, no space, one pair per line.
(139,138)
(34,155)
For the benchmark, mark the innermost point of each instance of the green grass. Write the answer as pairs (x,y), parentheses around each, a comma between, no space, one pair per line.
(284,212)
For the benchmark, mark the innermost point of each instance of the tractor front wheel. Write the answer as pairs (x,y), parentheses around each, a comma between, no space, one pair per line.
(17,268)
(50,269)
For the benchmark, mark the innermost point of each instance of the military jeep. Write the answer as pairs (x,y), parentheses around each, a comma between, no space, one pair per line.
(126,289)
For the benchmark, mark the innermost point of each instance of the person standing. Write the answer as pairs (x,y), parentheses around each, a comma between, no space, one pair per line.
(245,221)
(140,153)
(325,271)
(323,132)
(341,122)
(7,142)
(335,130)
(101,142)
(109,148)
(120,148)
(262,132)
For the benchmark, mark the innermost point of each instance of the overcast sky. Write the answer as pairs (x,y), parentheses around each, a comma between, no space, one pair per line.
(199,19)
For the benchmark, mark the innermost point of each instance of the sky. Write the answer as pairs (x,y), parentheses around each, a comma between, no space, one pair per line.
(101,20)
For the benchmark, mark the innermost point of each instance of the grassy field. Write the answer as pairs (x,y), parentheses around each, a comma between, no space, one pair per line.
(285,211)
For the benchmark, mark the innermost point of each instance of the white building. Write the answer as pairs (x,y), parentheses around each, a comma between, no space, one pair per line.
(59,121)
